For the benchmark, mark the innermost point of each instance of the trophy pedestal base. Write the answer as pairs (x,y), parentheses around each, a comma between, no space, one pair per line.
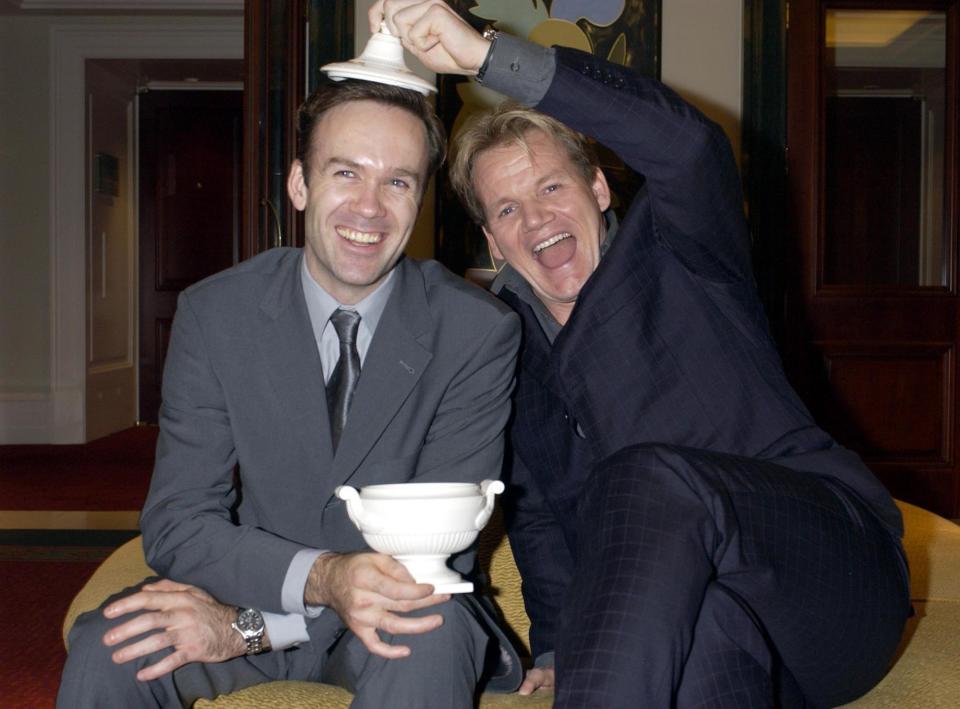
(433,569)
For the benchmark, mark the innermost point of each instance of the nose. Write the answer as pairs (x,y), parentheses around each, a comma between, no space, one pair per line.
(535,215)
(368,200)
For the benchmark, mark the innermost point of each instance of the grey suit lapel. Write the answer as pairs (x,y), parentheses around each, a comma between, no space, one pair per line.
(394,364)
(290,356)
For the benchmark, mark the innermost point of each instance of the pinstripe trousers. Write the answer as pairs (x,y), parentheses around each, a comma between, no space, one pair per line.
(711,580)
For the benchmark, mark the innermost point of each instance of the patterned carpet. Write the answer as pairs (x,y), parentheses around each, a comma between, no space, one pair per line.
(111,473)
(41,570)
(41,573)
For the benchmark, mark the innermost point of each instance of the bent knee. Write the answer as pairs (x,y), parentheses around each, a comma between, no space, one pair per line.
(634,469)
(86,635)
(455,615)
(89,670)
(460,629)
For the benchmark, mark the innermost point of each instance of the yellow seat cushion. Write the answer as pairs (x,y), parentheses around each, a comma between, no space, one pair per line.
(126,567)
(926,673)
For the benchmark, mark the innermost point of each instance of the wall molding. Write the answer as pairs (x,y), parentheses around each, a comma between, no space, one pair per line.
(41,418)
(61,418)
(133,5)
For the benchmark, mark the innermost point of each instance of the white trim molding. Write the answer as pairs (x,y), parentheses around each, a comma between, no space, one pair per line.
(93,6)
(63,417)
(37,417)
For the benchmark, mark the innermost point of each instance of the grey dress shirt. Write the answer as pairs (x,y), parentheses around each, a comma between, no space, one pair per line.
(291,629)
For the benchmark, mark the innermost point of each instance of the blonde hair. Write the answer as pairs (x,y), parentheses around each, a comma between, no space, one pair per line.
(510,123)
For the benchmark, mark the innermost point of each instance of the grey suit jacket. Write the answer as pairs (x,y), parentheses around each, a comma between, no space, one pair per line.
(245,471)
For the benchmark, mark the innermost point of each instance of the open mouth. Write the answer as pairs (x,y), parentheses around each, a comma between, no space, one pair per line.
(559,250)
(359,237)
(555,239)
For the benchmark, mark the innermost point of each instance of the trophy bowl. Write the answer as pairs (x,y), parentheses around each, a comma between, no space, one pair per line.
(422,524)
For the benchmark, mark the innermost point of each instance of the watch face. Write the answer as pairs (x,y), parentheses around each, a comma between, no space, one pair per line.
(250,620)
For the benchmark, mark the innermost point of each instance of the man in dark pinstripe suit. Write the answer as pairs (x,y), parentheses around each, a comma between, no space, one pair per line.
(686,533)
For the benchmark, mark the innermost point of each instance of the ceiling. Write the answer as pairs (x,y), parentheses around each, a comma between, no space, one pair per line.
(887,38)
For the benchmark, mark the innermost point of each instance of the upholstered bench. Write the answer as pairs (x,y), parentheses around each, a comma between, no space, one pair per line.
(926,673)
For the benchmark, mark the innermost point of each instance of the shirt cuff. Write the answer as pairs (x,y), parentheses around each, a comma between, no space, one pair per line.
(544,661)
(520,69)
(295,582)
(285,630)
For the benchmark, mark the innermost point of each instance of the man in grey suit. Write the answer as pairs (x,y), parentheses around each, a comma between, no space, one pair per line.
(274,393)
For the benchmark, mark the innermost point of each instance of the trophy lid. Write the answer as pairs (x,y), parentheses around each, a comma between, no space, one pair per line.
(381,61)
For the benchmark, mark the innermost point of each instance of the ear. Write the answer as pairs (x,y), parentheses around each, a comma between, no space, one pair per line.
(601,190)
(494,249)
(297,186)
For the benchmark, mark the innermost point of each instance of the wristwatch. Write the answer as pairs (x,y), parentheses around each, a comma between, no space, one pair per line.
(249,624)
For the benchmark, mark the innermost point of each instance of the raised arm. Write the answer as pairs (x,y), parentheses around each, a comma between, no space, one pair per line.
(685,158)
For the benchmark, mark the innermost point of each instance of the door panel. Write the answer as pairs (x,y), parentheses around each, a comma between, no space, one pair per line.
(872,190)
(871,300)
(190,173)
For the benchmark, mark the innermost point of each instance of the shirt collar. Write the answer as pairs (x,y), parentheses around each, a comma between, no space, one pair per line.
(321,305)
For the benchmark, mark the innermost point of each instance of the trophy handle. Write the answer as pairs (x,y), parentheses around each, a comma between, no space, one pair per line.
(364,522)
(488,489)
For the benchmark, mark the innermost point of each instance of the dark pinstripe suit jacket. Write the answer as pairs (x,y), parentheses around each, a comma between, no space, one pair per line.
(668,342)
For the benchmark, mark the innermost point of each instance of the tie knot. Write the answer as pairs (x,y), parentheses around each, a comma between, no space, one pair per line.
(346,322)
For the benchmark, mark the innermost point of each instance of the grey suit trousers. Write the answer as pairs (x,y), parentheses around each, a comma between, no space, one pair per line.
(442,671)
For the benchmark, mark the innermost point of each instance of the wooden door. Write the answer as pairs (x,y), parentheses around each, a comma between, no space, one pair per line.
(286,43)
(871,330)
(189,210)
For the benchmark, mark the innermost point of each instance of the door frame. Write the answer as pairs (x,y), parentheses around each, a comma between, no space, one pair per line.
(63,420)
(764,149)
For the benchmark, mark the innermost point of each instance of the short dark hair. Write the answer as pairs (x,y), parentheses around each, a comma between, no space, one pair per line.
(331,94)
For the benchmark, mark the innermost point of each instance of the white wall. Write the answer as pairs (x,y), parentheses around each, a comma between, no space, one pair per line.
(24,224)
(702,58)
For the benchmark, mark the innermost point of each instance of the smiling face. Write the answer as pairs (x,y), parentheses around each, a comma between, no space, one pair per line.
(542,217)
(368,169)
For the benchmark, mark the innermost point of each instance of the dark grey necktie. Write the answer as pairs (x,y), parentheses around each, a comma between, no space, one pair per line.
(343,381)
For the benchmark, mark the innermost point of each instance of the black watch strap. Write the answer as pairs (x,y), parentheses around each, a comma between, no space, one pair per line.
(491,36)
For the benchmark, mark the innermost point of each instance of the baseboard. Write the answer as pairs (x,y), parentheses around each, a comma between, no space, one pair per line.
(102,520)
(67,537)
(41,418)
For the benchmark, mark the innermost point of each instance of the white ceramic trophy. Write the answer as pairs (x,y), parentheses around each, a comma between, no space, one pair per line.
(422,524)
(381,61)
